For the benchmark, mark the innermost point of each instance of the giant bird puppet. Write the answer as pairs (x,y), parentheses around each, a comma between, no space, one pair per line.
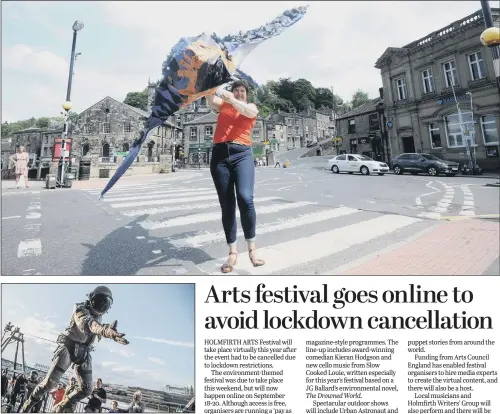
(196,67)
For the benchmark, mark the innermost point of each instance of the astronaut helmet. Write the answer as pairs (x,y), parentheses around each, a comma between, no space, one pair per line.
(100,300)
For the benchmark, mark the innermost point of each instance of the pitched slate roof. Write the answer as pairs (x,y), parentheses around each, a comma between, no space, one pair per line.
(370,106)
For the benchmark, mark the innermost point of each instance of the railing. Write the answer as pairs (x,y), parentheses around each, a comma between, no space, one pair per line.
(446,30)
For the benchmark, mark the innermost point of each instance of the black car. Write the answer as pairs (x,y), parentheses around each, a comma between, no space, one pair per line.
(423,163)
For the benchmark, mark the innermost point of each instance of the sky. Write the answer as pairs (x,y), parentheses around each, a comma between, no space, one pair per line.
(123,44)
(158,320)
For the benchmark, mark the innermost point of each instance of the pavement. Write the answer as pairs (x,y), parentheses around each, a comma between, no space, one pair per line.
(309,221)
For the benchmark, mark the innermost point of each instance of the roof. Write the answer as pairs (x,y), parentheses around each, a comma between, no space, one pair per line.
(370,106)
(210,118)
(131,108)
(449,30)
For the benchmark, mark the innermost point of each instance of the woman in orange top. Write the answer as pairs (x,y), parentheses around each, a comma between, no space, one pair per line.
(232,167)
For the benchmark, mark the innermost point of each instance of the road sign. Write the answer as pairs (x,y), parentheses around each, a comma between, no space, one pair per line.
(389,124)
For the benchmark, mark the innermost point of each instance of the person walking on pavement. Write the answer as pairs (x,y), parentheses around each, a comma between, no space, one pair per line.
(20,161)
(277,162)
(232,167)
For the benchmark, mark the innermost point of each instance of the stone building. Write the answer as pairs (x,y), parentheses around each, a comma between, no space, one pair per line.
(420,80)
(199,135)
(105,132)
(324,123)
(360,130)
(300,128)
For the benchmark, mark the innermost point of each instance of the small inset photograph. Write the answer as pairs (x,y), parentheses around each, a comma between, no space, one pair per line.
(111,348)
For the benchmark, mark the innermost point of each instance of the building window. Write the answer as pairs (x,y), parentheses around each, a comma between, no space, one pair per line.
(476,65)
(427,81)
(450,73)
(296,122)
(435,136)
(296,129)
(209,130)
(125,147)
(352,126)
(401,88)
(85,149)
(105,151)
(490,131)
(454,131)
(86,129)
(374,121)
(193,134)
(127,127)
(106,128)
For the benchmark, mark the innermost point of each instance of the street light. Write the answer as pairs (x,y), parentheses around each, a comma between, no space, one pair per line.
(491,38)
(77,26)
(472,134)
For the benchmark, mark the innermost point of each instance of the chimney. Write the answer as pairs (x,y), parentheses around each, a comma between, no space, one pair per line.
(151,95)
(381,92)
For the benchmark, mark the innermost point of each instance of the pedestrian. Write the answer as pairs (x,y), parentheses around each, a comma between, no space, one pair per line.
(232,167)
(58,393)
(115,409)
(97,398)
(277,162)
(20,161)
(137,406)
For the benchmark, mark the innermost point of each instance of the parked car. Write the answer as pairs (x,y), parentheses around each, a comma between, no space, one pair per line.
(352,163)
(423,163)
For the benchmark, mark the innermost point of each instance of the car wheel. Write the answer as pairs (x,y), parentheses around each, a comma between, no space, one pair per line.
(380,173)
(398,170)
(432,171)
(364,170)
(335,169)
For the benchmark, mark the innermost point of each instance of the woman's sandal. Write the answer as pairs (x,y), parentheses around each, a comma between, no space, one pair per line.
(226,267)
(255,262)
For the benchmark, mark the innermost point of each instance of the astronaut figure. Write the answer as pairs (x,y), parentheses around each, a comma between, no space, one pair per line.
(74,349)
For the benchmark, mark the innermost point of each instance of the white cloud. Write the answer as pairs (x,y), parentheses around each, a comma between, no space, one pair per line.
(335,44)
(165,341)
(108,363)
(157,361)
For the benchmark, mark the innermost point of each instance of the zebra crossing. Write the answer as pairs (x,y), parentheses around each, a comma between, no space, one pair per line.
(182,220)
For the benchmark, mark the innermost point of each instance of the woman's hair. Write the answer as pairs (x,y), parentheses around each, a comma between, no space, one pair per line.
(237,84)
(137,394)
(22,148)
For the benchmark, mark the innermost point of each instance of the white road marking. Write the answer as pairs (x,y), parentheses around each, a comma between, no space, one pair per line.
(128,227)
(165,201)
(308,249)
(31,247)
(140,237)
(173,193)
(156,251)
(33,227)
(184,207)
(468,205)
(202,218)
(10,217)
(282,224)
(33,216)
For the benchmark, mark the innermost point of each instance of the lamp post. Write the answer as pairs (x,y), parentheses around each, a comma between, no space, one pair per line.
(77,26)
(491,38)
(472,134)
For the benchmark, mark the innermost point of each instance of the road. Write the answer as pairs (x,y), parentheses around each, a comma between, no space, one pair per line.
(310,221)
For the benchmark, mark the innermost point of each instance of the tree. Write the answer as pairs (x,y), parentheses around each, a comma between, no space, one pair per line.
(43,122)
(304,94)
(137,99)
(359,98)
